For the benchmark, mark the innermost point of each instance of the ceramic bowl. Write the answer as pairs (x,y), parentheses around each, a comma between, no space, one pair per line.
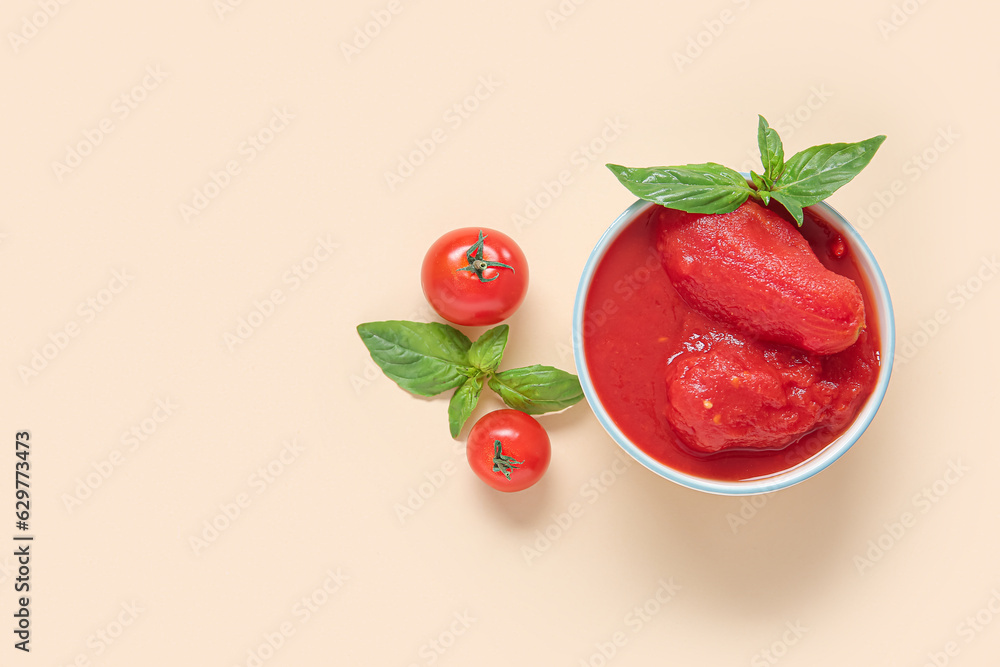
(802,471)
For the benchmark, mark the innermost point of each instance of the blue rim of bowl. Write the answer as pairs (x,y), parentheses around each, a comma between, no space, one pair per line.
(805,469)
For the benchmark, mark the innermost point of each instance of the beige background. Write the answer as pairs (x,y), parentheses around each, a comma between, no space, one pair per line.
(820,574)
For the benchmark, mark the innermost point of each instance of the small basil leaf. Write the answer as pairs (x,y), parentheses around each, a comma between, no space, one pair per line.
(772,153)
(791,204)
(463,402)
(695,188)
(763,187)
(487,351)
(537,389)
(814,174)
(423,358)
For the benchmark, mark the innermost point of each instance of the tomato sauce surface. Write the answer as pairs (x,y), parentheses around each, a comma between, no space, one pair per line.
(633,320)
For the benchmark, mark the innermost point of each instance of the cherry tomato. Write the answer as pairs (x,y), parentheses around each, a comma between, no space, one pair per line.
(508,449)
(474,276)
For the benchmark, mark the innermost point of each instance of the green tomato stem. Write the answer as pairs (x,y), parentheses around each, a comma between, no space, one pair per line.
(503,463)
(474,255)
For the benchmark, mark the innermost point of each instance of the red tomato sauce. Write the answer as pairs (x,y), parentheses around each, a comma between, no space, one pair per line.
(633,321)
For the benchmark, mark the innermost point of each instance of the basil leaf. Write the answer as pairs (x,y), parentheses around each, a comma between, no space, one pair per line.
(422,358)
(695,188)
(487,351)
(763,188)
(772,153)
(463,402)
(537,389)
(791,204)
(814,174)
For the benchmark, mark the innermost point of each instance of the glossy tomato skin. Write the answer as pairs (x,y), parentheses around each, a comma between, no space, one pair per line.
(522,439)
(459,296)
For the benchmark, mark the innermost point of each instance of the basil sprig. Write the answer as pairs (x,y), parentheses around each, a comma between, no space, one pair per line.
(428,358)
(806,178)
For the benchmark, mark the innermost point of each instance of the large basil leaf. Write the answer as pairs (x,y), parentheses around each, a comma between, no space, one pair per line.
(695,188)
(537,389)
(424,358)
(812,175)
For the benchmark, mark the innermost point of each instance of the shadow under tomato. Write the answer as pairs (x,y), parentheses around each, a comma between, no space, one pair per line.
(520,509)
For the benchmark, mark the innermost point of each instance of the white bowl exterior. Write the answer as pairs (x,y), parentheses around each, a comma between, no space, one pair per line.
(804,470)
